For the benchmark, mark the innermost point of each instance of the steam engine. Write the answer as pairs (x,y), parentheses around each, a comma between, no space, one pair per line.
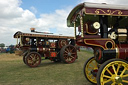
(36,45)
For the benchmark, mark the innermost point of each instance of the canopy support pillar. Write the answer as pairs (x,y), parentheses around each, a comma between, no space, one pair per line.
(74,30)
(81,23)
(21,41)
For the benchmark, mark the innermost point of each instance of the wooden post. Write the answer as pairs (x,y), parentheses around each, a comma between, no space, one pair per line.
(17,40)
(81,23)
(21,41)
(75,30)
(37,41)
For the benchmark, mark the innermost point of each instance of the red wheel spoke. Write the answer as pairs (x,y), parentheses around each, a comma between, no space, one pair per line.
(72,57)
(31,56)
(72,49)
(73,53)
(67,50)
(35,56)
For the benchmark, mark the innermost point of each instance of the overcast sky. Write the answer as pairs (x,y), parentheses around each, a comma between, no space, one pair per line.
(44,15)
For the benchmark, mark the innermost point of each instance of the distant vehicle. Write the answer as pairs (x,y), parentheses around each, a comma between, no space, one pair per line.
(12,49)
(104,28)
(36,45)
(7,50)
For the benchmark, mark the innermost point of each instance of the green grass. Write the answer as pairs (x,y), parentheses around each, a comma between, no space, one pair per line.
(14,72)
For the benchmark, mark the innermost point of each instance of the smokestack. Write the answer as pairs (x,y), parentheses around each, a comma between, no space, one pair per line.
(32,29)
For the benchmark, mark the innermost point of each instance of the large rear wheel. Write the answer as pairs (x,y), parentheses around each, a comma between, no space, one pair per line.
(68,54)
(90,70)
(113,72)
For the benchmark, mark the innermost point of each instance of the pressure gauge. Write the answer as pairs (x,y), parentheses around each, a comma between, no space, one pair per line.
(27,39)
(96,25)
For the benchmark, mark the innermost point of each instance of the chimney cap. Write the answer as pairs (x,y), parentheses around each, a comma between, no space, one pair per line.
(32,29)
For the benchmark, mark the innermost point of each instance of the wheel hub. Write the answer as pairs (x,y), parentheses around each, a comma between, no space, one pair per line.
(118,79)
(34,60)
(69,54)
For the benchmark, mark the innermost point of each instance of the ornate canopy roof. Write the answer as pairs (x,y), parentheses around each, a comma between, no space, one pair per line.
(96,9)
(104,5)
(39,35)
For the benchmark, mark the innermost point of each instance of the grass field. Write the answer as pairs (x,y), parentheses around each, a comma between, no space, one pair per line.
(14,72)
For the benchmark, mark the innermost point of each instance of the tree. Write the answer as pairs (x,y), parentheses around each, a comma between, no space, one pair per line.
(2,45)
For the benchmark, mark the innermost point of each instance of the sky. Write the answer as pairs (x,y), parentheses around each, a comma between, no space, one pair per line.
(44,15)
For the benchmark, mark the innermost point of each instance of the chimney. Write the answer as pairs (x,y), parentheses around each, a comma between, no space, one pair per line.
(32,29)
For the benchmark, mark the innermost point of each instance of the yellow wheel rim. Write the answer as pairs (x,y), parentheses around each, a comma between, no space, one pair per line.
(91,66)
(115,73)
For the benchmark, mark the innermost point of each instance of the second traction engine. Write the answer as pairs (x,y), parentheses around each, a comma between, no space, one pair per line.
(35,45)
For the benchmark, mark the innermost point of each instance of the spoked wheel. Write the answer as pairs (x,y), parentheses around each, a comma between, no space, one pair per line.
(90,70)
(33,59)
(113,72)
(68,54)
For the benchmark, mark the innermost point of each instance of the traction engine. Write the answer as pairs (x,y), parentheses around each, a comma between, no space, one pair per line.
(104,28)
(37,46)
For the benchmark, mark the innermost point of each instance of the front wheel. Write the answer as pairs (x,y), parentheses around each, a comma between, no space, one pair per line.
(113,72)
(33,59)
(90,70)
(24,57)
